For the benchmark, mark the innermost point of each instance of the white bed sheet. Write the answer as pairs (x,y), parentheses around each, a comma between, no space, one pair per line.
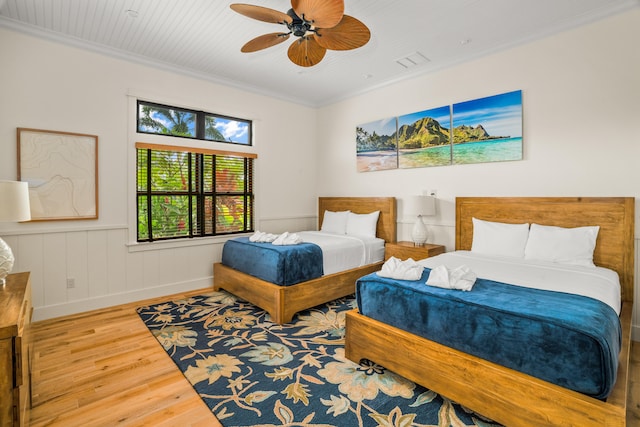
(341,252)
(599,283)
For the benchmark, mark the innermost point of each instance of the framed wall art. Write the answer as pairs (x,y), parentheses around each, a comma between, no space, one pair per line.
(478,131)
(62,171)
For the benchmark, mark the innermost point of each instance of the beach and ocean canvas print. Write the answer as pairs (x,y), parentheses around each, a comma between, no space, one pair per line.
(377,146)
(424,138)
(478,131)
(488,129)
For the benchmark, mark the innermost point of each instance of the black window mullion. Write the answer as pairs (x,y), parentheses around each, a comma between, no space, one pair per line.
(200,194)
(190,193)
(214,194)
(246,198)
(200,125)
(149,203)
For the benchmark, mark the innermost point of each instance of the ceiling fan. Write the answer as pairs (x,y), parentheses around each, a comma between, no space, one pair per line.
(318,24)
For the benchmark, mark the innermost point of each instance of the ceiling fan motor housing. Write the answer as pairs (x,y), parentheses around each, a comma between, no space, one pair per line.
(298,26)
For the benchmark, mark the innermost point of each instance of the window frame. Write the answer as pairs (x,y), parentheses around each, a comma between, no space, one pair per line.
(199,194)
(200,119)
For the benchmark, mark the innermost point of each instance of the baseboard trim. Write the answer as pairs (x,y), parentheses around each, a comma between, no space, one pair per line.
(95,303)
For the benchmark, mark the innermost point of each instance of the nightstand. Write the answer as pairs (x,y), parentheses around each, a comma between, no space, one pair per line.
(405,250)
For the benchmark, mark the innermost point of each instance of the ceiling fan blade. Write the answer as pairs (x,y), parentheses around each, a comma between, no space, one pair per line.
(306,52)
(264,41)
(321,13)
(262,13)
(349,34)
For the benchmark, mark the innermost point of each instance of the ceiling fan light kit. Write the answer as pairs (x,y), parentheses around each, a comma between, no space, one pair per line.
(318,25)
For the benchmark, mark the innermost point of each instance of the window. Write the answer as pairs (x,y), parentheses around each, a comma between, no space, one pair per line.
(185,192)
(166,120)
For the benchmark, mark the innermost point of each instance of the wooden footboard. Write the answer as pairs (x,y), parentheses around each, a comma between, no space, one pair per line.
(282,302)
(504,395)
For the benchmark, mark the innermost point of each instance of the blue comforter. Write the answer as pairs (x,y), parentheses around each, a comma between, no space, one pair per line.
(282,265)
(569,340)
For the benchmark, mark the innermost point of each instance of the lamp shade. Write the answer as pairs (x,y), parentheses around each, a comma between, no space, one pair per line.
(421,205)
(14,201)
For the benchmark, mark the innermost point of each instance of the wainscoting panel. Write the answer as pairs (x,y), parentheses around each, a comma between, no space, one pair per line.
(97,266)
(75,271)
(54,269)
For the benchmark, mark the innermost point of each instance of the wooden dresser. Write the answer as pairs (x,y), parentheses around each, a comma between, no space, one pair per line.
(15,316)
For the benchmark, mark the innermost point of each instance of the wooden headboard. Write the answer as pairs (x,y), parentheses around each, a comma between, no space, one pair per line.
(614,215)
(387,221)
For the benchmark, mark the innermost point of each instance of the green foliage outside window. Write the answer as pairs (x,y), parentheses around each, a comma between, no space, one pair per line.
(166,120)
(189,194)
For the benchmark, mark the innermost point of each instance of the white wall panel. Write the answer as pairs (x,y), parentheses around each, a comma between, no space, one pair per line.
(55,268)
(97,263)
(77,265)
(116,261)
(150,271)
(171,263)
(135,263)
(29,255)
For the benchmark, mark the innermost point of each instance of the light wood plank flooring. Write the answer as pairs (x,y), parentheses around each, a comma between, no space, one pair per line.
(103,368)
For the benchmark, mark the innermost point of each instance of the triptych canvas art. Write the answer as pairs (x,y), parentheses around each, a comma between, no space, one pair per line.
(482,130)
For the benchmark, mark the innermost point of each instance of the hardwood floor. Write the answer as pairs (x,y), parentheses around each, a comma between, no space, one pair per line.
(103,367)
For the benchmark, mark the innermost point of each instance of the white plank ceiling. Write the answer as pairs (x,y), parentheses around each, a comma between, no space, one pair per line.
(203,38)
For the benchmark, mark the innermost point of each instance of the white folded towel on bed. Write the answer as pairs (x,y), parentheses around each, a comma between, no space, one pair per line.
(401,270)
(261,237)
(287,238)
(461,278)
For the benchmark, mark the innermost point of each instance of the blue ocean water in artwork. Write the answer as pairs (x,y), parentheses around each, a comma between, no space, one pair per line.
(497,150)
(420,158)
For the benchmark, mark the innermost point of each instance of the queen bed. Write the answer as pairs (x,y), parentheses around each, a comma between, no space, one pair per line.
(492,378)
(283,300)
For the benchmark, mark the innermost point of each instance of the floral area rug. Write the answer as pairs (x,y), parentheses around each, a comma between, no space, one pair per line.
(253,372)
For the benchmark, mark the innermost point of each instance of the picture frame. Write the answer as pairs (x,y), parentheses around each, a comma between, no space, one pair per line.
(62,171)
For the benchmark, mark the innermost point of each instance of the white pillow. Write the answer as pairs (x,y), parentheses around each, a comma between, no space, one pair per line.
(498,238)
(573,246)
(362,224)
(335,222)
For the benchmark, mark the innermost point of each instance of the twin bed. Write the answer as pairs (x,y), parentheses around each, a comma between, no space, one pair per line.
(283,300)
(402,325)
(394,325)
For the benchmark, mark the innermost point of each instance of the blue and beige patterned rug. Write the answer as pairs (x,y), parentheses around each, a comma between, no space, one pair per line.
(252,372)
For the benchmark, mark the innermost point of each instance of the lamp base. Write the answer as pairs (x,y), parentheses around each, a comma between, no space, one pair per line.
(419,234)
(6,261)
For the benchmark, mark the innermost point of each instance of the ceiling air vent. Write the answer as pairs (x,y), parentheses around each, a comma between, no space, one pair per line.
(412,60)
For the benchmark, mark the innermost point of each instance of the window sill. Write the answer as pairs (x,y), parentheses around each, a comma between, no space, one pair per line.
(179,243)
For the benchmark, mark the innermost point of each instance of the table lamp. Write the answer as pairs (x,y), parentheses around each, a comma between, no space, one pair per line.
(14,207)
(420,206)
